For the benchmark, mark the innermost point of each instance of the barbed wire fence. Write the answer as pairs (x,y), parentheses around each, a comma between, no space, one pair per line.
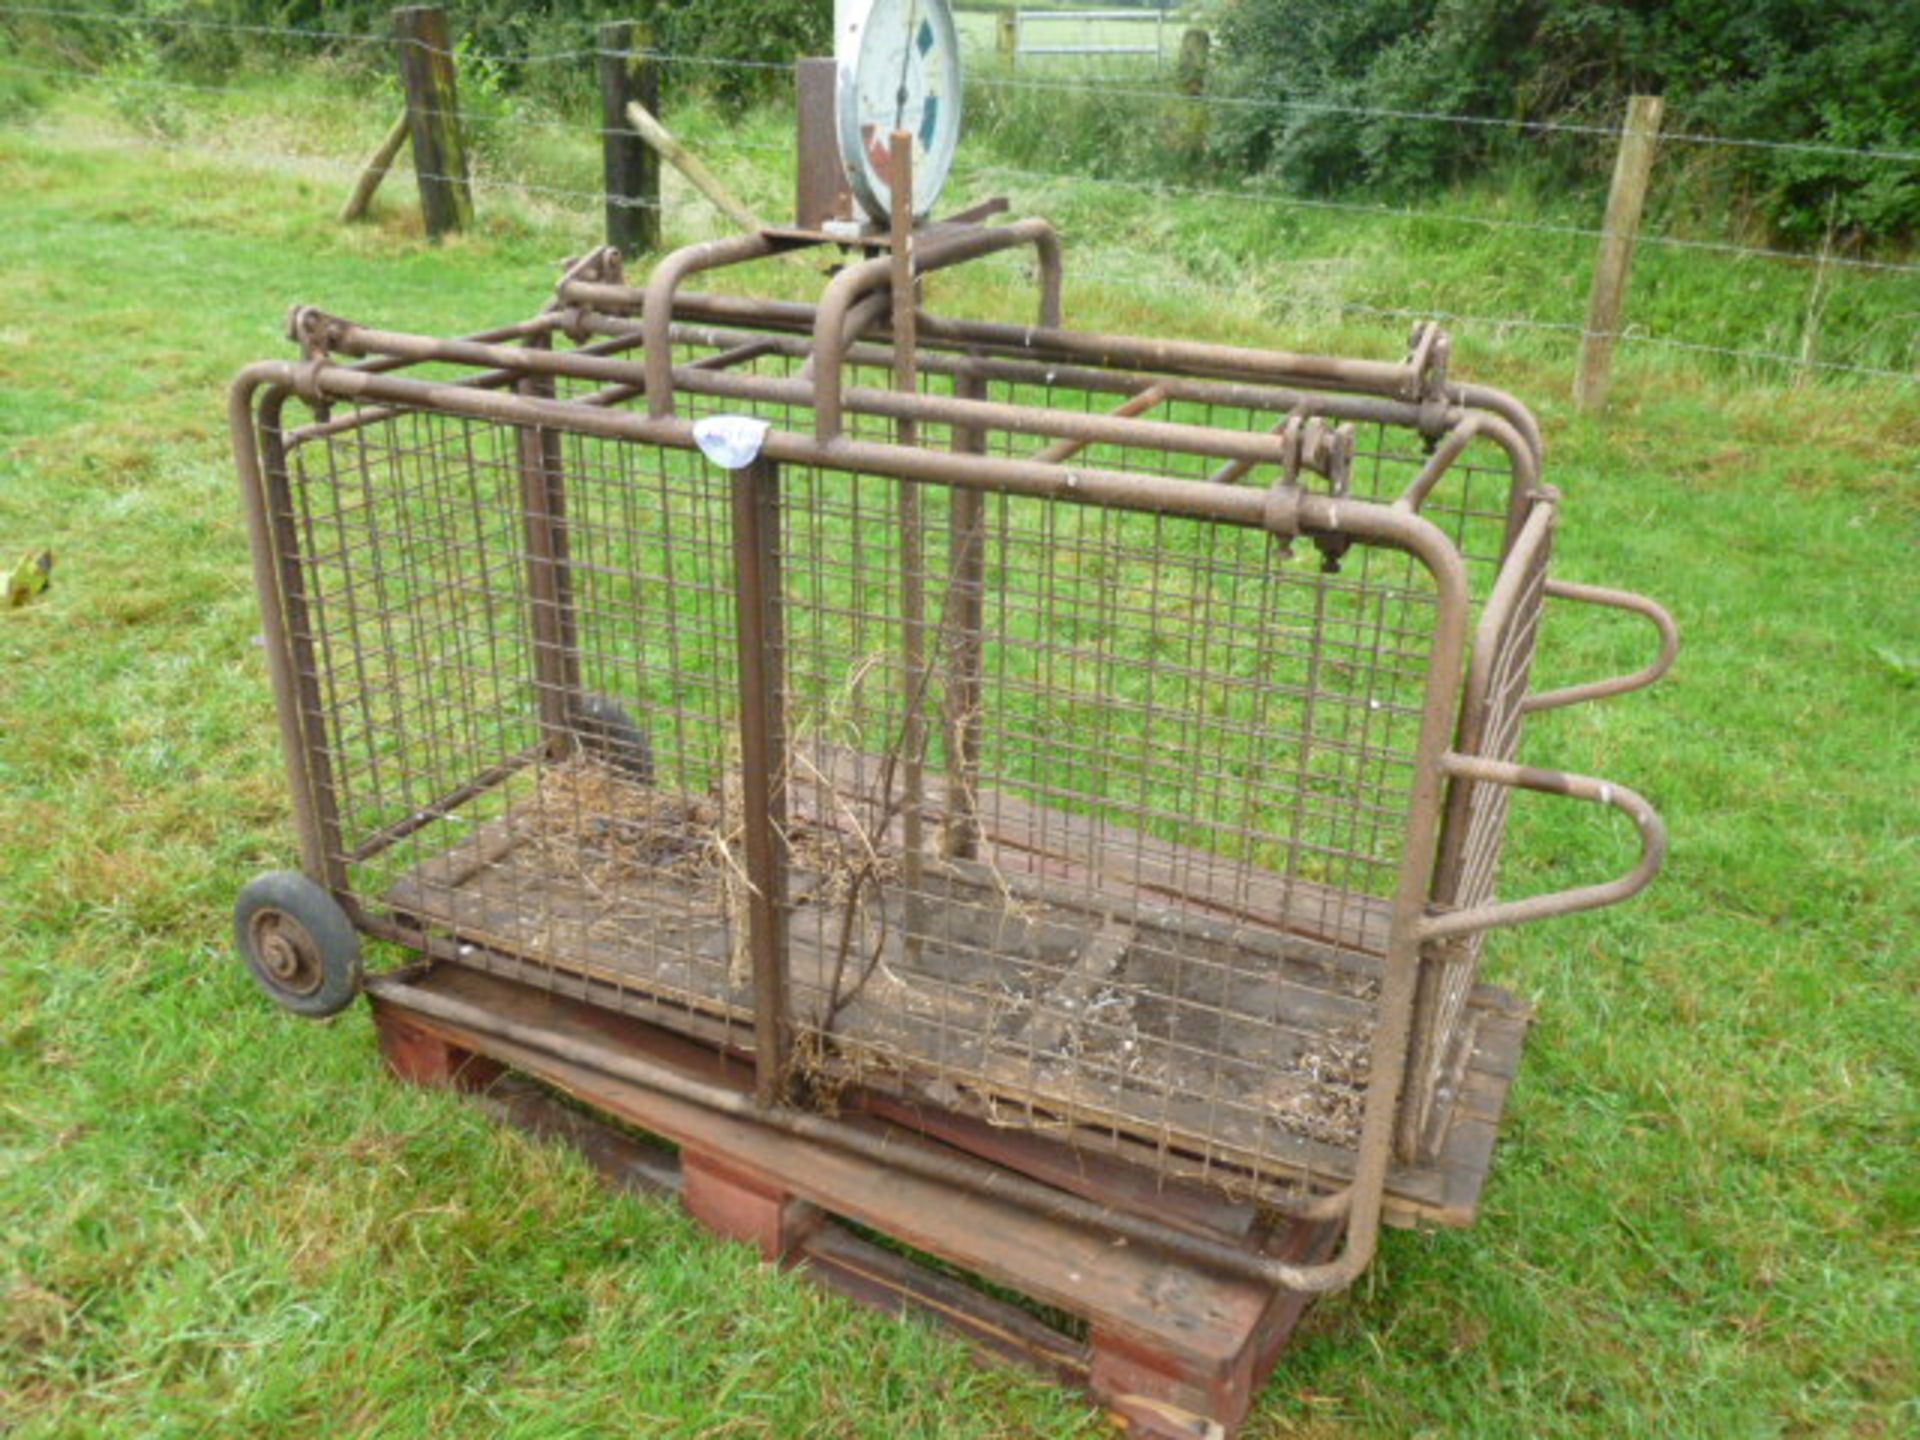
(1145,266)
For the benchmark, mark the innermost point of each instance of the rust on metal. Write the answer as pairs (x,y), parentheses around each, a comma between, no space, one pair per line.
(985,746)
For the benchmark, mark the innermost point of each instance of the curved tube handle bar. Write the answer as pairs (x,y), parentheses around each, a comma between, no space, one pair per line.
(656,308)
(1653,847)
(1652,610)
(841,317)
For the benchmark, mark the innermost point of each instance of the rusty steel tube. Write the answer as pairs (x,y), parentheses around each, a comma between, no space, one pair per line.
(1127,352)
(1650,610)
(839,304)
(294,741)
(1653,847)
(1502,419)
(878,355)
(1112,429)
(657,311)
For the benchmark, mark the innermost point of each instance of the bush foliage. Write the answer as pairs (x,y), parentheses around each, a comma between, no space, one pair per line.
(214,35)
(1840,73)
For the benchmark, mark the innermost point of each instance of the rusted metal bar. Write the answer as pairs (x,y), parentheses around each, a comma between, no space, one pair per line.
(1652,611)
(943,360)
(904,284)
(820,184)
(832,333)
(260,461)
(1387,378)
(763,766)
(1023,419)
(656,320)
(556,646)
(387,836)
(1139,404)
(1653,847)
(1119,489)
(966,594)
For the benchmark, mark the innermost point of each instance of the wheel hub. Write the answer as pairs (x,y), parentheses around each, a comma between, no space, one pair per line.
(287,952)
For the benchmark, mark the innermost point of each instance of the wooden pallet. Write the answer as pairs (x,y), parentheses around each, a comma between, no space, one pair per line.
(1172,1350)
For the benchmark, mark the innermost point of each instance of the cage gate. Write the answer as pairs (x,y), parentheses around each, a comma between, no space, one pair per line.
(1085,736)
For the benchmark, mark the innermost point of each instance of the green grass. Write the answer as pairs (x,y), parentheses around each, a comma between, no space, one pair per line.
(1704,1211)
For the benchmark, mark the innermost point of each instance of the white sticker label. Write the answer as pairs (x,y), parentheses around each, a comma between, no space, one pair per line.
(730,441)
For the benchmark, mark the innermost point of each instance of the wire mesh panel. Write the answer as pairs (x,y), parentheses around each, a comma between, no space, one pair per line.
(527,692)
(1092,816)
(1047,785)
(1097,830)
(1493,716)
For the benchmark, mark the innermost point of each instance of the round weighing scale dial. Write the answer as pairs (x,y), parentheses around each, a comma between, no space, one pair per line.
(899,69)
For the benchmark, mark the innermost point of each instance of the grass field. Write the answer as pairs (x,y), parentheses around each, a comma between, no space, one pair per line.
(216,1220)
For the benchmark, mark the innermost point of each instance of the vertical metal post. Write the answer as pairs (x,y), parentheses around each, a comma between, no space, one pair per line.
(913,560)
(763,767)
(966,595)
(820,184)
(630,166)
(543,505)
(1624,203)
(294,665)
(433,114)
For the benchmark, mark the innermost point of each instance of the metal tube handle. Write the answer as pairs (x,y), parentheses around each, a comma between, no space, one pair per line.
(1618,684)
(1653,847)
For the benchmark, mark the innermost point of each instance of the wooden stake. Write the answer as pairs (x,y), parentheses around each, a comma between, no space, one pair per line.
(688,164)
(632,169)
(1624,203)
(433,110)
(378,164)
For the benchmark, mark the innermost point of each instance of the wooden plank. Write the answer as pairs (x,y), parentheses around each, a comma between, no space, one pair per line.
(1029,839)
(625,1163)
(1139,1291)
(1053,1012)
(884,1280)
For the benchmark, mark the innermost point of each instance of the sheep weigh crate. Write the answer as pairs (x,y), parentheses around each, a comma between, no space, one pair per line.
(1004,766)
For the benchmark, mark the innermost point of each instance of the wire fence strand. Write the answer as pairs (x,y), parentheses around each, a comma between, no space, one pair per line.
(1154,265)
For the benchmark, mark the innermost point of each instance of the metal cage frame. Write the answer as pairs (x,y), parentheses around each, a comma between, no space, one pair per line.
(602,393)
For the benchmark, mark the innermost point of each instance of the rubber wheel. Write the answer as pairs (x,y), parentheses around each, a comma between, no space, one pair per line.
(299,944)
(606,731)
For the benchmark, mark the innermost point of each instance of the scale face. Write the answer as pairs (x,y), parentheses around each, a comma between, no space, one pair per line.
(898,64)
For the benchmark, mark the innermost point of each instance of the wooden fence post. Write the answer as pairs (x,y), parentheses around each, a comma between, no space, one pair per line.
(1008,31)
(1615,258)
(433,114)
(632,170)
(1190,70)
